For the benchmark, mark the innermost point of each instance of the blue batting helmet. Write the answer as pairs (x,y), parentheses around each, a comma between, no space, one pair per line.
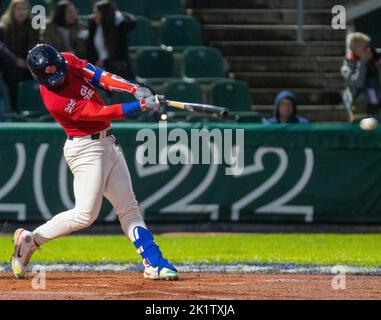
(46,64)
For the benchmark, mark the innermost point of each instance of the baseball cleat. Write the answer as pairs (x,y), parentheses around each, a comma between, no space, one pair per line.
(153,273)
(156,267)
(168,274)
(24,246)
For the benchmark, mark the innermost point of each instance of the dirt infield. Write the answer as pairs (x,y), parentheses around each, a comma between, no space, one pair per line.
(196,286)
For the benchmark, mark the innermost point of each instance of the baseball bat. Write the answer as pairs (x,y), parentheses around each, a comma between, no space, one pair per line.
(208,109)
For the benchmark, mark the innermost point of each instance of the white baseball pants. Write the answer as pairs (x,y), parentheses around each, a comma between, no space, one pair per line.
(99,169)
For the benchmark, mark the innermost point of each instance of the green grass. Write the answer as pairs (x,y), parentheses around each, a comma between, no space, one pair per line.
(361,250)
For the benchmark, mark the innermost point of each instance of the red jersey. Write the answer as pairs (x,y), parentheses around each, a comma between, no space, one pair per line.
(66,102)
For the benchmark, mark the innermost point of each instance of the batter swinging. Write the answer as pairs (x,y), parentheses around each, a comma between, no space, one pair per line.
(67,86)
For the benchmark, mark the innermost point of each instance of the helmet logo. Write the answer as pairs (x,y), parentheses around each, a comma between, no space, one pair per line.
(51,69)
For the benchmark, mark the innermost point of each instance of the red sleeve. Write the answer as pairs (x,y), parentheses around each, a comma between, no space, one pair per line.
(87,110)
(74,61)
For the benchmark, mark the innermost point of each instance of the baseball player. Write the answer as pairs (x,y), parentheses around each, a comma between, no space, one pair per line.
(68,88)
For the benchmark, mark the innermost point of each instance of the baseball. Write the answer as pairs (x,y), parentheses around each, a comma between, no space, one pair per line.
(368,124)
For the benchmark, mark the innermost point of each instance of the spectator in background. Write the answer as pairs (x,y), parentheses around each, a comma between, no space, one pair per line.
(107,44)
(285,110)
(7,66)
(18,35)
(361,71)
(64,31)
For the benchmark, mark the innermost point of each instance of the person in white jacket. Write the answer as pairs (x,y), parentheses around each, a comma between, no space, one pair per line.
(361,71)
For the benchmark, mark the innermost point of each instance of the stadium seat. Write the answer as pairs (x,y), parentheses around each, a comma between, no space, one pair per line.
(155,65)
(232,94)
(156,9)
(85,7)
(203,64)
(183,91)
(142,35)
(119,97)
(180,32)
(29,102)
(136,7)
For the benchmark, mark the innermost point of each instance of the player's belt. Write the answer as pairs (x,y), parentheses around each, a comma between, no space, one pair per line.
(94,136)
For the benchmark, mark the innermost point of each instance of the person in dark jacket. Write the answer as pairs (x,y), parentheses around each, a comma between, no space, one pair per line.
(7,67)
(286,110)
(107,45)
(65,31)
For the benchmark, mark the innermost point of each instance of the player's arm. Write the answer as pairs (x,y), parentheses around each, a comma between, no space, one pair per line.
(87,110)
(102,79)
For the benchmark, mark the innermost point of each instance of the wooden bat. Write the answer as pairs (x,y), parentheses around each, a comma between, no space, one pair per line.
(218,112)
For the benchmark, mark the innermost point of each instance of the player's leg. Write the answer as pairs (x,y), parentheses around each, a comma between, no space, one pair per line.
(89,176)
(119,191)
(88,192)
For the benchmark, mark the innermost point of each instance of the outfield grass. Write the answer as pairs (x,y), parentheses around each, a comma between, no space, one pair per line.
(361,250)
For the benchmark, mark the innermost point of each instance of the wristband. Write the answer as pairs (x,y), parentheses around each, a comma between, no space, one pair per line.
(131,107)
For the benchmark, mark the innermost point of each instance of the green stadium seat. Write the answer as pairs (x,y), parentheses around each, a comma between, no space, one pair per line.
(142,35)
(203,64)
(29,102)
(122,5)
(156,9)
(232,94)
(136,7)
(155,65)
(120,97)
(85,7)
(180,32)
(179,90)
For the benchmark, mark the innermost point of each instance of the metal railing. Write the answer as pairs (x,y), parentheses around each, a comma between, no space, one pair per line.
(300,20)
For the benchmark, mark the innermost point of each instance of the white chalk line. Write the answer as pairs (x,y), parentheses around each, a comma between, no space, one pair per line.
(242,268)
(115,294)
(76,293)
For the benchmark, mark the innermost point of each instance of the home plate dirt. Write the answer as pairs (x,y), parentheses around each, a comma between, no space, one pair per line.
(195,286)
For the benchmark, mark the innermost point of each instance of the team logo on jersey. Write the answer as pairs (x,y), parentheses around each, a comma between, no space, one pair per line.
(71,106)
(86,92)
(50,69)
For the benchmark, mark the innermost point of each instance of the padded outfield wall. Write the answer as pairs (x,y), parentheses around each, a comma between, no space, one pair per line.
(292,173)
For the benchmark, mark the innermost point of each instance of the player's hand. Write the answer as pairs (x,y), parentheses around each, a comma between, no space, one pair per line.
(151,103)
(144,91)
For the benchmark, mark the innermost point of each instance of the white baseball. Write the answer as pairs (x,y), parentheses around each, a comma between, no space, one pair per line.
(368,124)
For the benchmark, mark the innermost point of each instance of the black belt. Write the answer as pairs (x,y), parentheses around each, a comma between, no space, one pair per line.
(94,136)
